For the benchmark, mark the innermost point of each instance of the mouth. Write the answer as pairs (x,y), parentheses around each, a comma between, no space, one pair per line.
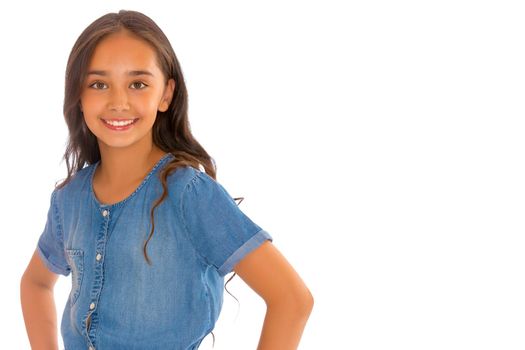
(119,124)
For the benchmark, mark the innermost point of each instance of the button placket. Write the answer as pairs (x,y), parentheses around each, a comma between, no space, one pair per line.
(105,213)
(96,288)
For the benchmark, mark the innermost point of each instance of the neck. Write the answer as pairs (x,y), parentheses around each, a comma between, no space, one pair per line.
(126,165)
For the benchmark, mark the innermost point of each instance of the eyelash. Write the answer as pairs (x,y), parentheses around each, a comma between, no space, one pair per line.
(135,82)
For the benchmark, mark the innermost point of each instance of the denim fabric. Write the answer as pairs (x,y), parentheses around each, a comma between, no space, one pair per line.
(117,300)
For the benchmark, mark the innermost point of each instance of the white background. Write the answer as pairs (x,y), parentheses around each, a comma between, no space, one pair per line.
(381,143)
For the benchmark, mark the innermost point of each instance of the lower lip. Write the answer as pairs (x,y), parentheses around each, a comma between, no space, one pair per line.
(119,128)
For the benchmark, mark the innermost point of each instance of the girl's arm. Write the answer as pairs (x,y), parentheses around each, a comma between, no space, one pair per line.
(288,300)
(38,305)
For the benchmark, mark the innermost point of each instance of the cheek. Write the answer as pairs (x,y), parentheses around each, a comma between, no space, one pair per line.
(90,103)
(146,104)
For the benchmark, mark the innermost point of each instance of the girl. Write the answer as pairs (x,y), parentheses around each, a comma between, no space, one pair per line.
(145,233)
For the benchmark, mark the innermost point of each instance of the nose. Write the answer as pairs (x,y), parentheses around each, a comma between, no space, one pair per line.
(118,100)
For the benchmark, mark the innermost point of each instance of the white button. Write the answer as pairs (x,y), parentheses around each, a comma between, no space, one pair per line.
(99,257)
(91,306)
(105,213)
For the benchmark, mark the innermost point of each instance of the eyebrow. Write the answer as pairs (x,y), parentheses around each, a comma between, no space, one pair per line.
(131,72)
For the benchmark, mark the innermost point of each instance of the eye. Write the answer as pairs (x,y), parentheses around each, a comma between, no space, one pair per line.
(137,85)
(97,85)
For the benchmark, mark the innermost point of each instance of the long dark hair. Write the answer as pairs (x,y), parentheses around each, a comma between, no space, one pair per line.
(171,130)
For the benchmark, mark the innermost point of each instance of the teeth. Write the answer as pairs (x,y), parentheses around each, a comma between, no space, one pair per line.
(119,123)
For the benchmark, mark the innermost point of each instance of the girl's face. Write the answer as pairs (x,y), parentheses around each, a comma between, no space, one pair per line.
(124,84)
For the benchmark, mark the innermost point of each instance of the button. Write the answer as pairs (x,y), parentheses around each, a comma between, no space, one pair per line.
(91,348)
(105,213)
(99,257)
(91,306)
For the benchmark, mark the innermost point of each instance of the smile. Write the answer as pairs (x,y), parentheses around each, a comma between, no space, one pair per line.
(119,124)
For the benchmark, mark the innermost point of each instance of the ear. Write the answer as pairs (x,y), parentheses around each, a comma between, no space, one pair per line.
(167,96)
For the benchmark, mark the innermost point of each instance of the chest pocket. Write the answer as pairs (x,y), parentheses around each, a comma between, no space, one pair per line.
(76,261)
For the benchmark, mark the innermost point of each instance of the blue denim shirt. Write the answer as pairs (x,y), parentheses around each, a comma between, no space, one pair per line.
(117,300)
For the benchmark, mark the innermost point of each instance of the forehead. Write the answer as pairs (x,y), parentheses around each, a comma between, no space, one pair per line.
(122,51)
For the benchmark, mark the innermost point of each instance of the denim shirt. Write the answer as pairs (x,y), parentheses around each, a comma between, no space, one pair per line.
(118,301)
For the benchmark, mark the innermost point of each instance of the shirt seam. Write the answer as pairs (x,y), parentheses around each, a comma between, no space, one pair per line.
(208,298)
(60,235)
(200,257)
(185,228)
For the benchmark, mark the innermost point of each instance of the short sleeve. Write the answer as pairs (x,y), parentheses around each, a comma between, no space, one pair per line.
(50,244)
(220,232)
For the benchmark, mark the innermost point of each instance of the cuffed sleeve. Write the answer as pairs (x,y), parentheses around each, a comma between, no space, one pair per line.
(50,244)
(220,232)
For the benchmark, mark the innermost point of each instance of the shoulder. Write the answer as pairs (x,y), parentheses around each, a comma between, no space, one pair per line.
(187,181)
(79,182)
(183,175)
(179,179)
